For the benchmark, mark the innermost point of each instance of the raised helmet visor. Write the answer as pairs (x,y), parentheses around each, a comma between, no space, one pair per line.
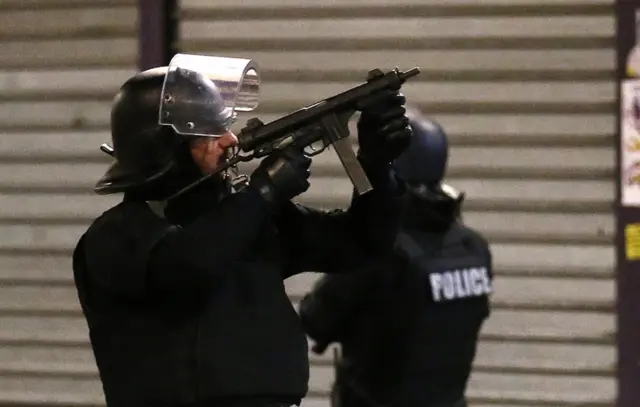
(201,94)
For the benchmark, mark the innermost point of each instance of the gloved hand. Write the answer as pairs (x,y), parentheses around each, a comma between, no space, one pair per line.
(383,128)
(281,176)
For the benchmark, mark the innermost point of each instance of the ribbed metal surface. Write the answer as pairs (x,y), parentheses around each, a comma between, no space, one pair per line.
(524,88)
(61,63)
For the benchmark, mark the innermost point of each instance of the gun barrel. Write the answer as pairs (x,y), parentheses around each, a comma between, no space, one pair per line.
(409,74)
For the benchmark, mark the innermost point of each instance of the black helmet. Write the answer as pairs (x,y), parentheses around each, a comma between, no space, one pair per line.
(424,162)
(144,150)
(151,158)
(423,166)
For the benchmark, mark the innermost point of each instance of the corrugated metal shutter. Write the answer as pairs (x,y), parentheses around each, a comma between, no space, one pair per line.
(525,88)
(61,62)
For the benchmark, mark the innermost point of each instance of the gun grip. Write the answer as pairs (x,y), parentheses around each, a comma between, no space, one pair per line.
(338,136)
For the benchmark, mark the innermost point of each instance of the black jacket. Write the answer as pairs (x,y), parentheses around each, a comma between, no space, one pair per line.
(192,309)
(407,339)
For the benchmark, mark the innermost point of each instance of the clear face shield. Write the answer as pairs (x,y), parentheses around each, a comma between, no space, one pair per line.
(201,94)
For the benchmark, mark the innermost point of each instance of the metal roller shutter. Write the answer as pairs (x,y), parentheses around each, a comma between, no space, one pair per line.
(61,62)
(526,91)
(524,88)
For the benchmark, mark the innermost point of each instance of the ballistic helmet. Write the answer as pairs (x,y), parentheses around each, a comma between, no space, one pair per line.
(424,162)
(158,110)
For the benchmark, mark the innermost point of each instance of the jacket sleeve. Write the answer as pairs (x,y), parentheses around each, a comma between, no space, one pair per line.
(190,257)
(333,304)
(342,240)
(138,252)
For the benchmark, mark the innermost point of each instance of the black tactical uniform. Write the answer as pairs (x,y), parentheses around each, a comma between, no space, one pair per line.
(186,306)
(408,327)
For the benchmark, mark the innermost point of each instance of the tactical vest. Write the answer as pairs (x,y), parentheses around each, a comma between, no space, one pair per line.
(422,334)
(452,266)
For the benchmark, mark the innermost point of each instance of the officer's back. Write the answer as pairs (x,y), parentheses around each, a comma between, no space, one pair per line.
(409,327)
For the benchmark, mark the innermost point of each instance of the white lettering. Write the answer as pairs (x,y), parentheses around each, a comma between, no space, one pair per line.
(459,284)
(467,281)
(436,286)
(486,282)
(457,278)
(476,275)
(449,290)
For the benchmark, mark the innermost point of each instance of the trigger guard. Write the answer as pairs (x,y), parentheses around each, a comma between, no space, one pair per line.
(311,150)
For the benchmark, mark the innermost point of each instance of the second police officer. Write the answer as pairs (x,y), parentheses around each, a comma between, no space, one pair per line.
(408,327)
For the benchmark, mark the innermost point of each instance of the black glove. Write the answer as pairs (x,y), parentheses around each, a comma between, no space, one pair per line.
(383,128)
(281,176)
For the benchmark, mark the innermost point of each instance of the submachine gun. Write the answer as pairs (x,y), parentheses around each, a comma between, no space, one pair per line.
(321,124)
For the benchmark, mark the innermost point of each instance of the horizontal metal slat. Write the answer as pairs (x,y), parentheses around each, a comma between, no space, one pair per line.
(17,84)
(102,21)
(277,4)
(423,28)
(70,146)
(50,390)
(400,43)
(70,53)
(391,10)
(52,115)
(65,4)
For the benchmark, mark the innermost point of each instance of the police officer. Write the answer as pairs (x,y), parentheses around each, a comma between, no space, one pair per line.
(408,327)
(185,300)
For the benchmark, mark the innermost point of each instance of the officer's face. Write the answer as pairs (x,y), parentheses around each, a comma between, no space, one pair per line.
(209,153)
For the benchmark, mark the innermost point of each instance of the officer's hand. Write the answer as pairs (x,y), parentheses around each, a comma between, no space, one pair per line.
(383,128)
(281,176)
